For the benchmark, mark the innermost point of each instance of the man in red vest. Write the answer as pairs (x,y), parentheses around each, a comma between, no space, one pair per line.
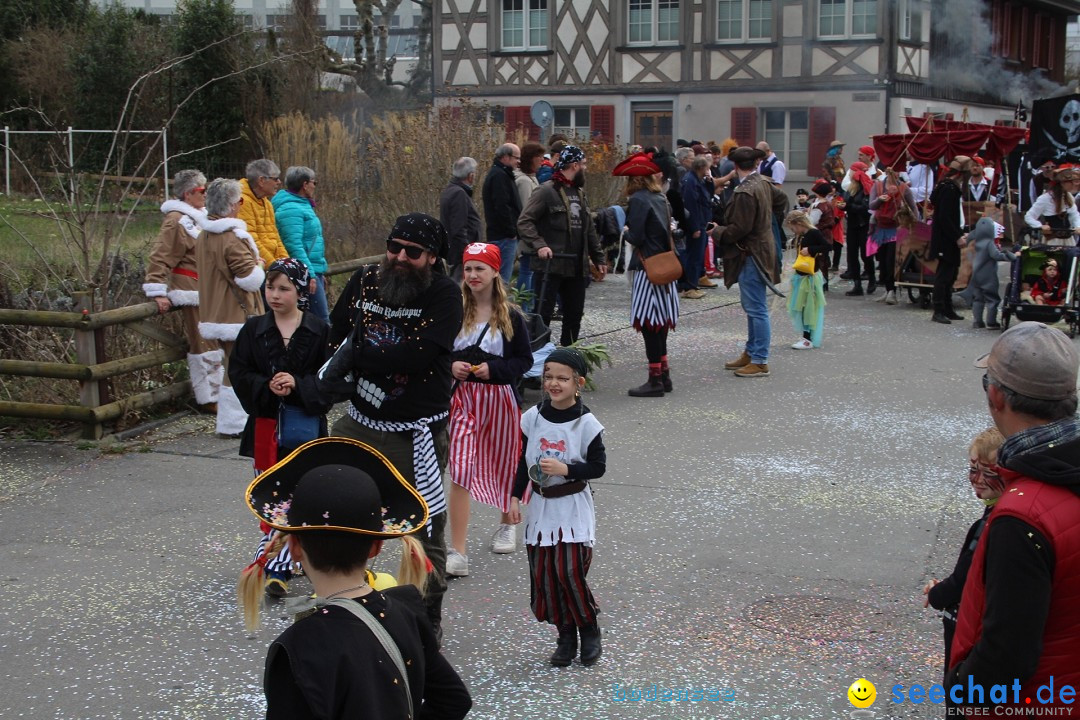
(1019,619)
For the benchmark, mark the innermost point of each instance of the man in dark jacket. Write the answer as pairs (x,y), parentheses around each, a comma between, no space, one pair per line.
(458,214)
(697,203)
(557,225)
(502,205)
(748,249)
(1019,619)
(948,227)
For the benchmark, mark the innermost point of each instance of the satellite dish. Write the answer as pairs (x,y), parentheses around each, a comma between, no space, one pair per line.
(542,113)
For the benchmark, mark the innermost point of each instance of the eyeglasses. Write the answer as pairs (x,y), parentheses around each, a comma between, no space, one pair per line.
(275,178)
(516,157)
(198,189)
(413,252)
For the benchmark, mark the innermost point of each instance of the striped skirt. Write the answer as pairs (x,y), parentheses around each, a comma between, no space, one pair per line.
(560,594)
(485,441)
(653,307)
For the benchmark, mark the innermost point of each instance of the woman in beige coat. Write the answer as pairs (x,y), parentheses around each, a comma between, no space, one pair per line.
(172,278)
(230,276)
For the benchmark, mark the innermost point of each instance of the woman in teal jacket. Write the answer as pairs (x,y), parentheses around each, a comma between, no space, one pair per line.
(301,232)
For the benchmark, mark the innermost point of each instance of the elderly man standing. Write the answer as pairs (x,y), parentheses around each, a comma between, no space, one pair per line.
(1019,619)
(748,249)
(557,225)
(772,166)
(396,322)
(458,214)
(262,180)
(502,206)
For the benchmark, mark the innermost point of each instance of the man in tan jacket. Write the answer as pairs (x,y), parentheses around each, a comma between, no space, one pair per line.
(748,249)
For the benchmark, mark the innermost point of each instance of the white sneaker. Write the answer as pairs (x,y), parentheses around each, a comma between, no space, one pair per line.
(890,297)
(803,344)
(457,565)
(504,540)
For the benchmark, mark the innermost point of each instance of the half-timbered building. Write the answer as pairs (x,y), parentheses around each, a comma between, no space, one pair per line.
(796,73)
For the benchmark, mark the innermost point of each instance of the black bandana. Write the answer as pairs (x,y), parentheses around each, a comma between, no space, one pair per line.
(297,273)
(571,358)
(423,230)
(570,154)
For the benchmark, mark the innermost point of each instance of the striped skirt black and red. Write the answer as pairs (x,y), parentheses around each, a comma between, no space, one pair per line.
(653,307)
(560,594)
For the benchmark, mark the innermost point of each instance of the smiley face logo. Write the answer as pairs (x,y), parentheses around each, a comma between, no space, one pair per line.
(862,693)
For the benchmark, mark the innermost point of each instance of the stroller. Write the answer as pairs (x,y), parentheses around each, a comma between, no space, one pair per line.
(541,346)
(1025,270)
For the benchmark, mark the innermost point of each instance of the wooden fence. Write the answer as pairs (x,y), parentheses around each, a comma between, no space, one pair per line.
(93,370)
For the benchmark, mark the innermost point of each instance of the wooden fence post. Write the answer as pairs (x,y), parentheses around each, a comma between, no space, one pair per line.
(86,350)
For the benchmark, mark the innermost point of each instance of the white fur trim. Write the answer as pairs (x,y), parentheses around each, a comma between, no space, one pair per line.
(220,331)
(253,281)
(192,218)
(184,297)
(206,373)
(224,225)
(154,290)
(231,417)
(238,228)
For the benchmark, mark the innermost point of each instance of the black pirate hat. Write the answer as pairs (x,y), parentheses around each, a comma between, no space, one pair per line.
(337,484)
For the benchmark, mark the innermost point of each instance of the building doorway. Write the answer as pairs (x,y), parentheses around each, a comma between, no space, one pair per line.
(653,125)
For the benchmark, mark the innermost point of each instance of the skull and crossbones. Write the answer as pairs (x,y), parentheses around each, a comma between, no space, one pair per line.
(1070,120)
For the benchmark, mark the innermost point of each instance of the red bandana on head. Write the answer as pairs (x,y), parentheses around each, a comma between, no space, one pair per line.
(483,252)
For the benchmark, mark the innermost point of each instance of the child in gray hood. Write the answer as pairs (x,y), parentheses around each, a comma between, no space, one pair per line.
(984,273)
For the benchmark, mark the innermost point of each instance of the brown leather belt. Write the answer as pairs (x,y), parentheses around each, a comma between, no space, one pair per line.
(561,490)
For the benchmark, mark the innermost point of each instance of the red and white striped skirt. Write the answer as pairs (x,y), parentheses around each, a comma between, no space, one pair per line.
(485,441)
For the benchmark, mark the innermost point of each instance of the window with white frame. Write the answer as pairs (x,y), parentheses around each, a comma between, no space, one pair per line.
(910,17)
(573,121)
(350,22)
(788,135)
(524,24)
(653,22)
(743,20)
(847,18)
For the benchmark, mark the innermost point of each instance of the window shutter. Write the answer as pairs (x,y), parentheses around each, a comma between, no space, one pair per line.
(744,125)
(518,120)
(822,133)
(602,122)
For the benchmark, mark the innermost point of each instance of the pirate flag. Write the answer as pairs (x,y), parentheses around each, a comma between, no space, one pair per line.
(1055,127)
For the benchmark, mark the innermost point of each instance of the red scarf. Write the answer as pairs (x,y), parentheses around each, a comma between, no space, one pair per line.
(559,179)
(858,173)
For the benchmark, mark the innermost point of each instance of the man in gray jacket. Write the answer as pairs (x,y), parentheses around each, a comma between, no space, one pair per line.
(458,213)
(558,226)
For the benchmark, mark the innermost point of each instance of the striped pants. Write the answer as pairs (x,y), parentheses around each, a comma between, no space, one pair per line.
(560,594)
(485,441)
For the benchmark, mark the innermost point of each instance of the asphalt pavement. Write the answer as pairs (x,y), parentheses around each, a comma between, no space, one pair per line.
(762,542)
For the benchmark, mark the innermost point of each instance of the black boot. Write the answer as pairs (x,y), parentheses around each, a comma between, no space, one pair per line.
(566,650)
(590,644)
(855,291)
(952,314)
(665,380)
(653,387)
(941,317)
(871,287)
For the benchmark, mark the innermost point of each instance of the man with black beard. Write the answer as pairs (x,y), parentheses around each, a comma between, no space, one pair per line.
(557,225)
(395,325)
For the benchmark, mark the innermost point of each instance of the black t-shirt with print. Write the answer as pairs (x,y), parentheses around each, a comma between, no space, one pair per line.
(402,354)
(577,217)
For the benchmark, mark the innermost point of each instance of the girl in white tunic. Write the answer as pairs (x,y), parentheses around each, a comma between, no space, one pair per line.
(563,448)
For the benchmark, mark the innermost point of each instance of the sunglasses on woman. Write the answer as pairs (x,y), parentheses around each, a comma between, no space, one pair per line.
(413,252)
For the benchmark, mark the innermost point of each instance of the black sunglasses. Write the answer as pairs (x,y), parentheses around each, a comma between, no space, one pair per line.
(413,252)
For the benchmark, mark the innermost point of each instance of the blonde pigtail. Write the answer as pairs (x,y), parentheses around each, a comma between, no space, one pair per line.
(249,588)
(415,566)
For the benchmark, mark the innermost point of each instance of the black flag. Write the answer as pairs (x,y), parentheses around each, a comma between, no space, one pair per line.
(1055,126)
